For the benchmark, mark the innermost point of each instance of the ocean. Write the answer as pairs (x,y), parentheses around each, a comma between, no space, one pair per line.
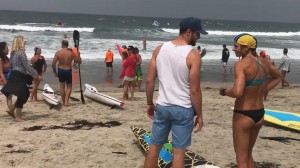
(99,33)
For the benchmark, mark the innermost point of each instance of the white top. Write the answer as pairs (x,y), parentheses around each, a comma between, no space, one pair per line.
(173,75)
(285,63)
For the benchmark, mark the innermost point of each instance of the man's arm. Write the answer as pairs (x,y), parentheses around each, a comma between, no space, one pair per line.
(151,76)
(54,61)
(150,82)
(194,64)
(77,57)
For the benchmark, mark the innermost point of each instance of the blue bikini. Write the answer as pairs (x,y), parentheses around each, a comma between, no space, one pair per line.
(255,115)
(257,82)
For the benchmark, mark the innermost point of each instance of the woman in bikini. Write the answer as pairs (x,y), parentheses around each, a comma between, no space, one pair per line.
(39,64)
(251,83)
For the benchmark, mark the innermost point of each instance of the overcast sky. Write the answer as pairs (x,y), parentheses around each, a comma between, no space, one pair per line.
(249,10)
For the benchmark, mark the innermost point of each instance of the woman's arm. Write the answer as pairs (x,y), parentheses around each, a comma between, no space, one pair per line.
(2,73)
(45,64)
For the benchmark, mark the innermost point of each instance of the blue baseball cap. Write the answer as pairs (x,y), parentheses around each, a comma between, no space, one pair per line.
(192,23)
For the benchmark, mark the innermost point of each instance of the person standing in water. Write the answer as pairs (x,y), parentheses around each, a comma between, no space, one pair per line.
(39,64)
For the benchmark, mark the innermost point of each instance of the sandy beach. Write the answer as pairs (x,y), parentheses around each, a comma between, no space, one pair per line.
(66,136)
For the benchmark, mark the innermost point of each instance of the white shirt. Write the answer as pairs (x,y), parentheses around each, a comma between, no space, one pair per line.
(173,75)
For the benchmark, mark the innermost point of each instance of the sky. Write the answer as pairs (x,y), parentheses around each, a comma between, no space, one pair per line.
(247,10)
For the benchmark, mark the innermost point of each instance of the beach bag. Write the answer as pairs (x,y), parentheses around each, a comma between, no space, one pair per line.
(289,68)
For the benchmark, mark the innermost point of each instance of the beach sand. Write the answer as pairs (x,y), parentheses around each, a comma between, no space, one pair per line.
(52,139)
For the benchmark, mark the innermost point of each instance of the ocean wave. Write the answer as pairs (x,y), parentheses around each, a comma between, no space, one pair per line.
(45,28)
(233,33)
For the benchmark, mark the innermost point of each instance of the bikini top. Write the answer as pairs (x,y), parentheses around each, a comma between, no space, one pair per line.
(254,81)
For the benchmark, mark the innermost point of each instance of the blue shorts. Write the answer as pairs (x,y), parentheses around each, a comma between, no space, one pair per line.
(179,120)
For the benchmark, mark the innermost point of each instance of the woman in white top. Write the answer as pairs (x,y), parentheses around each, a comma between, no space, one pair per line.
(285,66)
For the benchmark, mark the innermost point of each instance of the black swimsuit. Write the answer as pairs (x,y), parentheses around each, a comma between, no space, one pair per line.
(255,115)
(38,65)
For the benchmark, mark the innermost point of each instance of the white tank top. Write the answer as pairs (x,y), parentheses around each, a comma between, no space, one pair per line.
(173,75)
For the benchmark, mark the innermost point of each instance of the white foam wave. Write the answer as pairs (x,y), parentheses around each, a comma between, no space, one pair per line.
(233,33)
(45,28)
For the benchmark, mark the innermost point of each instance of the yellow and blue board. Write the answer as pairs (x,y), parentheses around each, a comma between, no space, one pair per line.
(284,119)
(191,159)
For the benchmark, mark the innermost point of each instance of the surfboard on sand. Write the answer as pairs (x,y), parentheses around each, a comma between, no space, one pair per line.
(284,119)
(49,96)
(192,160)
(92,93)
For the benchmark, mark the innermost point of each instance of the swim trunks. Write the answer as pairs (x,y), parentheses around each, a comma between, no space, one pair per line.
(139,74)
(65,75)
(109,64)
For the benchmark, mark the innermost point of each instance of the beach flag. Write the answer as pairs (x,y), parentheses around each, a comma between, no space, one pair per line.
(155,23)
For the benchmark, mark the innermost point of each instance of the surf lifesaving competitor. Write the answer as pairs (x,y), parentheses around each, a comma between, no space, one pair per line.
(250,84)
(65,57)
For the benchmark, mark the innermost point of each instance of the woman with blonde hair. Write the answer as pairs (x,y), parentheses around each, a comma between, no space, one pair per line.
(21,76)
(39,64)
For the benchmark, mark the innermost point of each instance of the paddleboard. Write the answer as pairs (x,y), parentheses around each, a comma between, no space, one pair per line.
(284,119)
(191,159)
(91,92)
(49,96)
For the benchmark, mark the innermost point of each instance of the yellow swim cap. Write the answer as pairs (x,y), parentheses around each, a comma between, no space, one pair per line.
(246,39)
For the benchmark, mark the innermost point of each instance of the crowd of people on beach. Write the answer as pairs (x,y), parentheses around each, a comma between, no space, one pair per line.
(179,106)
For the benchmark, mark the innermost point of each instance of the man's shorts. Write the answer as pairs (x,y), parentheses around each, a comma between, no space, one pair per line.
(65,75)
(109,64)
(178,120)
(139,74)
(224,64)
(129,79)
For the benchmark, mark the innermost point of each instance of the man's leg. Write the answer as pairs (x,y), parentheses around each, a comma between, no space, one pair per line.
(62,92)
(152,156)
(178,158)
(68,94)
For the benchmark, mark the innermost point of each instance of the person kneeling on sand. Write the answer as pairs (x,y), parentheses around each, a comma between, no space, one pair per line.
(64,57)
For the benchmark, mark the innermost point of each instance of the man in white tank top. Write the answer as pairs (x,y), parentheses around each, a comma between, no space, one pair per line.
(177,66)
